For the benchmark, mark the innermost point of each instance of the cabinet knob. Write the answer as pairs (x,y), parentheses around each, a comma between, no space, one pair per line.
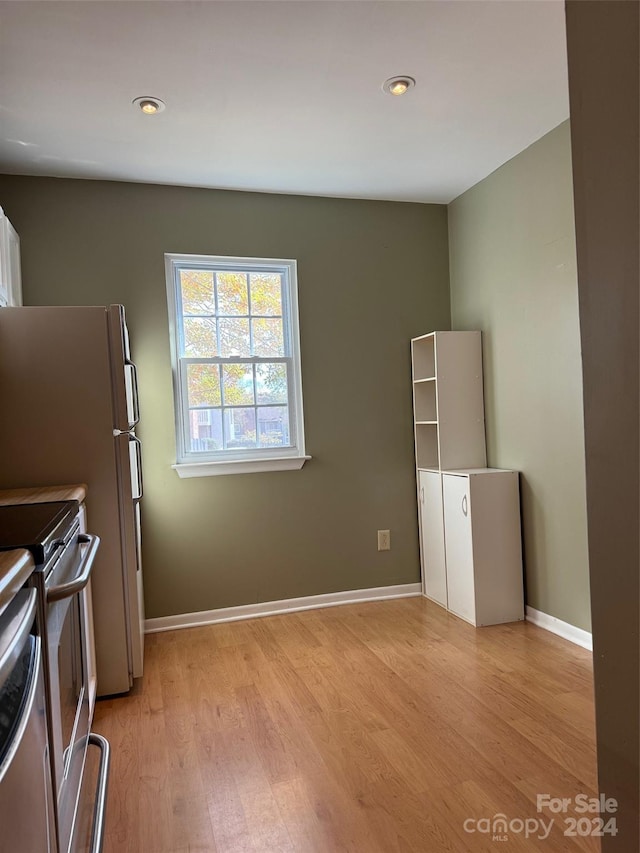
(464,505)
(422,495)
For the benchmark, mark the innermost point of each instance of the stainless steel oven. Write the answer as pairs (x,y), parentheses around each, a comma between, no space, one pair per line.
(64,558)
(26,794)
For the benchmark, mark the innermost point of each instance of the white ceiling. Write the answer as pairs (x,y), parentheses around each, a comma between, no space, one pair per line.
(280,96)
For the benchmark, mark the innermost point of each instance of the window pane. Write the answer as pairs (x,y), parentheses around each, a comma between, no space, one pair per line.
(200,337)
(266,293)
(197,292)
(232,293)
(271,383)
(268,337)
(205,430)
(273,426)
(203,385)
(239,428)
(234,338)
(237,380)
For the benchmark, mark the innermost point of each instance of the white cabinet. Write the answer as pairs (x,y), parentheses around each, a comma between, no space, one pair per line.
(469,515)
(434,575)
(483,545)
(10,275)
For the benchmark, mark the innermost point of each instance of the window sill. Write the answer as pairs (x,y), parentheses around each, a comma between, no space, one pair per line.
(253,466)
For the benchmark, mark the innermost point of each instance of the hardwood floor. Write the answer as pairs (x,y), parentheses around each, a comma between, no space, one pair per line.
(373,728)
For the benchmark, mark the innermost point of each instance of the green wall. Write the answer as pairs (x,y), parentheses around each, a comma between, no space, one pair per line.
(513,275)
(371,276)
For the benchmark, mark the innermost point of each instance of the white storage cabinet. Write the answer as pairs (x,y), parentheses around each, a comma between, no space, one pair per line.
(10,275)
(483,545)
(469,515)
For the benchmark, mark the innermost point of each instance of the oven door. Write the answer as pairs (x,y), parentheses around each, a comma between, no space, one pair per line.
(26,800)
(68,671)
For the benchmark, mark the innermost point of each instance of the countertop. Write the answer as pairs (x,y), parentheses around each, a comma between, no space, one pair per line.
(43,494)
(15,568)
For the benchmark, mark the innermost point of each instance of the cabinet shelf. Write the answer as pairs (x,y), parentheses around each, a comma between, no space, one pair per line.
(427,455)
(424,403)
(423,358)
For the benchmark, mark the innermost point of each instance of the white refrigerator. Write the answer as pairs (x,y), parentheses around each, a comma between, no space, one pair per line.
(68,413)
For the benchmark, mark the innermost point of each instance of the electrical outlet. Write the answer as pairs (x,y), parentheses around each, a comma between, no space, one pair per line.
(384,540)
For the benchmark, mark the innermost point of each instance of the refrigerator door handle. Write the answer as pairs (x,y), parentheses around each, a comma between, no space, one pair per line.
(136,404)
(138,444)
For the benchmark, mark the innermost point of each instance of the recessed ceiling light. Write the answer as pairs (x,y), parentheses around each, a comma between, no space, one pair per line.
(398,85)
(149,106)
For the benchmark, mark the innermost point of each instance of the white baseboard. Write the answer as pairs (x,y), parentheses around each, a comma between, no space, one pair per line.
(562,629)
(273,608)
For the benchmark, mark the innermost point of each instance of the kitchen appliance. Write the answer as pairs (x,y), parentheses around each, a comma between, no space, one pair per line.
(64,558)
(69,390)
(26,796)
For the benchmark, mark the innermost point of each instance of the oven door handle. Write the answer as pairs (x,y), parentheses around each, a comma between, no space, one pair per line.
(66,590)
(97,830)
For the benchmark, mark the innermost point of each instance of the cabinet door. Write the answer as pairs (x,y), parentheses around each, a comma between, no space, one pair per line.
(10,276)
(14,277)
(5,294)
(459,546)
(434,576)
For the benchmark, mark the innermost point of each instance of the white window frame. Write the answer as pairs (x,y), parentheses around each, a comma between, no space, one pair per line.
(239,461)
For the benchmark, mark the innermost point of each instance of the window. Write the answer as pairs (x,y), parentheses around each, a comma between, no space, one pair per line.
(236,364)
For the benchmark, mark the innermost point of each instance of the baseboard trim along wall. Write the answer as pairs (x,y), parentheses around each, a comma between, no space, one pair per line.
(273,608)
(562,629)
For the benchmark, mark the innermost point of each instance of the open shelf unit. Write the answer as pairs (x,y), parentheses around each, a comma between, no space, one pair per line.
(448,404)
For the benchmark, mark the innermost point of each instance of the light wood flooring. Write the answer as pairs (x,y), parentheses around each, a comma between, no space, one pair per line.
(374,728)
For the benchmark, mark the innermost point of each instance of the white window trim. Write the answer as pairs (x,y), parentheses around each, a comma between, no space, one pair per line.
(213,469)
(250,460)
